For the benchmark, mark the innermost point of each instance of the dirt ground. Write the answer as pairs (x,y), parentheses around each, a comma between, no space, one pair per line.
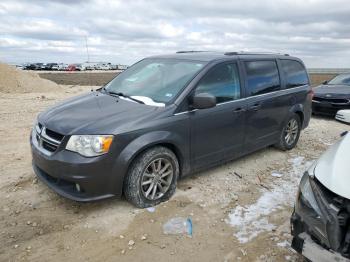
(85,78)
(317,79)
(240,211)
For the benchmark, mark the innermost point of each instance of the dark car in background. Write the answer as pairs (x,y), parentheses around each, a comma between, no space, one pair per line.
(332,96)
(34,66)
(166,117)
(48,66)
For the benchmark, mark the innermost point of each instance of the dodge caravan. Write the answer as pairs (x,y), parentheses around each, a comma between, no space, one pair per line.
(166,117)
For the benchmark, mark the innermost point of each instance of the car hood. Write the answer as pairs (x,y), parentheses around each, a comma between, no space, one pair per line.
(333,90)
(333,168)
(94,113)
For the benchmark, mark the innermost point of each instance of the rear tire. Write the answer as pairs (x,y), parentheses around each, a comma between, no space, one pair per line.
(152,177)
(290,133)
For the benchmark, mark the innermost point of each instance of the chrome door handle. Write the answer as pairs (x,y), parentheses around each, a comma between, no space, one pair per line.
(255,107)
(239,110)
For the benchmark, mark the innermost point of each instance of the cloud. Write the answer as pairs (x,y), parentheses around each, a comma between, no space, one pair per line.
(318,31)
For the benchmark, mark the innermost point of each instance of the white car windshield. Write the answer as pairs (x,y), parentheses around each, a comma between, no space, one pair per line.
(155,81)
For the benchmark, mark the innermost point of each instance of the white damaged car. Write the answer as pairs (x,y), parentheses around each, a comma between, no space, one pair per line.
(321,219)
(343,116)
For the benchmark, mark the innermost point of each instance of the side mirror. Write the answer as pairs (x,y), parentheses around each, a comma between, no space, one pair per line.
(325,82)
(203,101)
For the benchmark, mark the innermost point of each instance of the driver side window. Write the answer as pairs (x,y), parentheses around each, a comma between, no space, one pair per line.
(222,81)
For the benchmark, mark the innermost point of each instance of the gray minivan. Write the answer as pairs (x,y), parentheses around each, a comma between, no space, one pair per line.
(167,117)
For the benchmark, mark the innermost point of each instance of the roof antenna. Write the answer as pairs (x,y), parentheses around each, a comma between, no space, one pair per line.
(88,61)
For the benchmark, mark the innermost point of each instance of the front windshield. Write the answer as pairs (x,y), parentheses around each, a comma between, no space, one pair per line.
(340,80)
(155,81)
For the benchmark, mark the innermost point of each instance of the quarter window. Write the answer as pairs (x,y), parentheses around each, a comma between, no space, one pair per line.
(222,82)
(262,77)
(295,73)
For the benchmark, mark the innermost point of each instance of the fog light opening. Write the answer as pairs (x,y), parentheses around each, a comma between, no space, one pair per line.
(77,186)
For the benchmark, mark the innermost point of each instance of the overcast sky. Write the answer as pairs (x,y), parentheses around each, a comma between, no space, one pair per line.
(318,31)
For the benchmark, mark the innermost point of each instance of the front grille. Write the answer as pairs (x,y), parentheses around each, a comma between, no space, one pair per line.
(49,147)
(47,139)
(325,110)
(342,205)
(54,135)
(331,100)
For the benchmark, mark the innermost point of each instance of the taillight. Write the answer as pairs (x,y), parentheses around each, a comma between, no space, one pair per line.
(311,94)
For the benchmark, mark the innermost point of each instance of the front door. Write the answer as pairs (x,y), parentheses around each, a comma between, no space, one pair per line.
(217,133)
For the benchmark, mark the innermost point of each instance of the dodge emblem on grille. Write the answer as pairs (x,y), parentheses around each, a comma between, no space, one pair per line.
(40,131)
(40,141)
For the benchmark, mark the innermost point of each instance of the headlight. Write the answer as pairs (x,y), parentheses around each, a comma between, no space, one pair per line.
(87,145)
(307,195)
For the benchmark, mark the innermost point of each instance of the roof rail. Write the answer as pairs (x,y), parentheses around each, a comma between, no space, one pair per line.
(253,53)
(191,51)
(231,53)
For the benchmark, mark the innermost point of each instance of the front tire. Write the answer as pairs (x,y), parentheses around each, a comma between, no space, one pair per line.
(290,133)
(152,177)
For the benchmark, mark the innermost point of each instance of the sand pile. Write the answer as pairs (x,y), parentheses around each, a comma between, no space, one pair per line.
(13,80)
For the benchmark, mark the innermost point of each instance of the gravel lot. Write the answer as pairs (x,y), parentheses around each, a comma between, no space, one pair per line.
(85,78)
(242,217)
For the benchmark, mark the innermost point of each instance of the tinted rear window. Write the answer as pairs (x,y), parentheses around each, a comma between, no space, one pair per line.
(262,77)
(295,73)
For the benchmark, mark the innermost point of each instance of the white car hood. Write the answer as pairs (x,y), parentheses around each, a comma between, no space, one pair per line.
(333,168)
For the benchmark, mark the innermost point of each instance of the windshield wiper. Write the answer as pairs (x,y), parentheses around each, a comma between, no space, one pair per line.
(124,95)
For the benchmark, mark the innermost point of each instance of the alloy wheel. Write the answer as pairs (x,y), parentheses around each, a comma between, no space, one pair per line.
(291,132)
(157,178)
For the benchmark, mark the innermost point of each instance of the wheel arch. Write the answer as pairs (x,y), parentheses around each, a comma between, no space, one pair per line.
(145,142)
(299,110)
(167,144)
(301,116)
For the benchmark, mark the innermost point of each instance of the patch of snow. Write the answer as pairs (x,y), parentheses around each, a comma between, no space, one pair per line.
(148,101)
(326,143)
(249,232)
(252,220)
(151,209)
(284,243)
(277,175)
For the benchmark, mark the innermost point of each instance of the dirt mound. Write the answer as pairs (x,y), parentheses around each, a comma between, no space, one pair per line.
(13,80)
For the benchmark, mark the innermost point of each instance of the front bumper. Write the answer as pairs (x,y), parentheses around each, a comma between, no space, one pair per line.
(314,252)
(307,245)
(323,225)
(327,108)
(76,177)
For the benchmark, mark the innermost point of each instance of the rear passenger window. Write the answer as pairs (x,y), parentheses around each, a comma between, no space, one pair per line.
(262,77)
(222,82)
(295,73)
